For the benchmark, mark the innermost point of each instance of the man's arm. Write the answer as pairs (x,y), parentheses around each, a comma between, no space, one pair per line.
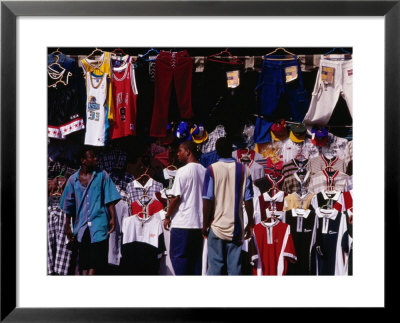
(173,206)
(111,211)
(207,216)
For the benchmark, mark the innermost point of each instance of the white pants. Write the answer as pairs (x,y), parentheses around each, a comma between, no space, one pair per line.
(325,96)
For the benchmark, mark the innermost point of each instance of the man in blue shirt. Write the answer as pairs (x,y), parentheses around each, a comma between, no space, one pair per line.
(89,198)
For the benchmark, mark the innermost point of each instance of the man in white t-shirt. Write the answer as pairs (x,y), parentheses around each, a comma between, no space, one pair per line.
(185,213)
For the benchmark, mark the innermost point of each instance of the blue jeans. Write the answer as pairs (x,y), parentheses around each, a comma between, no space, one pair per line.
(186,247)
(272,87)
(223,254)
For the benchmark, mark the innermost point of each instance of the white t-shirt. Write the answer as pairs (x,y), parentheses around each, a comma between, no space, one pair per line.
(188,185)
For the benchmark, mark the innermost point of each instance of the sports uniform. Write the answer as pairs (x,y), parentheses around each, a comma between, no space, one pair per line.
(272,246)
(124,93)
(96,109)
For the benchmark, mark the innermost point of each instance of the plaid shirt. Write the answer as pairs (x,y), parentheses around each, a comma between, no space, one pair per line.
(321,181)
(136,190)
(293,166)
(294,183)
(58,252)
(321,162)
(56,168)
(109,159)
(209,145)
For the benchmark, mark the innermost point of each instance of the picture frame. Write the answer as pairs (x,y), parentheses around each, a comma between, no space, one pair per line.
(10,10)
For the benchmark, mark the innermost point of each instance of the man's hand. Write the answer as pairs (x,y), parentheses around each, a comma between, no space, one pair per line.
(248,231)
(68,232)
(167,223)
(111,225)
(204,232)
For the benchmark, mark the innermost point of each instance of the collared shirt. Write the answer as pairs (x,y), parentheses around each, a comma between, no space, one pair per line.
(228,183)
(294,165)
(336,145)
(296,183)
(348,152)
(323,181)
(137,190)
(88,204)
(295,201)
(321,162)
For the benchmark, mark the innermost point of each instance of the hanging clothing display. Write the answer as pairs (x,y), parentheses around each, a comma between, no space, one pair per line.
(296,201)
(66,96)
(335,77)
(321,162)
(297,182)
(137,190)
(325,180)
(271,204)
(97,88)
(294,165)
(271,248)
(171,67)
(124,93)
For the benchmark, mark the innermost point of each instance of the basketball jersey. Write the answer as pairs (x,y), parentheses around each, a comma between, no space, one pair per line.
(124,93)
(96,109)
(99,67)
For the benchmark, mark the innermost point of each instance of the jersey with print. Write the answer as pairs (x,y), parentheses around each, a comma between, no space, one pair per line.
(142,245)
(330,229)
(301,224)
(335,145)
(124,93)
(272,244)
(96,109)
(99,67)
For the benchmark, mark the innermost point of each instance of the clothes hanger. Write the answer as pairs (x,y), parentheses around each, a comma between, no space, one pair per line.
(144,196)
(60,182)
(144,175)
(58,73)
(172,166)
(284,58)
(347,54)
(118,52)
(218,58)
(94,51)
(148,53)
(246,157)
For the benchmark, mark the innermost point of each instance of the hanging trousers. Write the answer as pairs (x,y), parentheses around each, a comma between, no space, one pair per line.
(171,67)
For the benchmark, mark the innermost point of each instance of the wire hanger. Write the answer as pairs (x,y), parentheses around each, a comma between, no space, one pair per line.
(144,175)
(172,166)
(94,51)
(148,54)
(60,182)
(119,52)
(347,54)
(218,58)
(284,58)
(58,73)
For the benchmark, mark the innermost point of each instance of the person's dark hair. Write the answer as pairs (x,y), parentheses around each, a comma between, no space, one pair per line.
(192,147)
(223,147)
(82,152)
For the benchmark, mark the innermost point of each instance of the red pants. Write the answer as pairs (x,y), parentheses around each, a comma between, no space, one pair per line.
(176,66)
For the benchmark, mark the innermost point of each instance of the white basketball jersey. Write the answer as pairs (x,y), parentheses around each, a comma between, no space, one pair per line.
(96,109)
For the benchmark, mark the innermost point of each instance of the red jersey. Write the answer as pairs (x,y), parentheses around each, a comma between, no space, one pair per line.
(124,93)
(273,243)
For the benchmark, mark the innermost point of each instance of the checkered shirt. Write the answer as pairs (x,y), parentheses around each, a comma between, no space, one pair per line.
(295,183)
(109,159)
(209,145)
(136,190)
(292,166)
(56,168)
(59,253)
(321,181)
(321,162)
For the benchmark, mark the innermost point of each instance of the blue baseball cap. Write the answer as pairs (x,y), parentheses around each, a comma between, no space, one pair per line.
(182,132)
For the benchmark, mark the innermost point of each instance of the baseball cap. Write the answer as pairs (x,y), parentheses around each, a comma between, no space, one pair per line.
(279,130)
(182,132)
(199,134)
(319,136)
(298,133)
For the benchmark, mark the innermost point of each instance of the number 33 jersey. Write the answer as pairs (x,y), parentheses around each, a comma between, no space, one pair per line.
(96,109)
(124,93)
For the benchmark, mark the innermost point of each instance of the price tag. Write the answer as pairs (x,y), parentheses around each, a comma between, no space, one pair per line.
(233,79)
(328,75)
(291,73)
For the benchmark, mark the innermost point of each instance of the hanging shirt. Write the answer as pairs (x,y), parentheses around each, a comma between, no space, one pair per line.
(142,245)
(348,153)
(209,145)
(99,67)
(294,165)
(290,150)
(271,246)
(330,228)
(321,181)
(169,175)
(321,162)
(96,109)
(188,185)
(270,149)
(124,93)
(270,183)
(238,154)
(111,157)
(301,224)
(297,183)
(296,201)
(88,204)
(271,203)
(137,190)
(336,145)
(330,200)
(115,240)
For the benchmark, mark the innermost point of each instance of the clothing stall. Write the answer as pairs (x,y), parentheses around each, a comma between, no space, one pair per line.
(288,112)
